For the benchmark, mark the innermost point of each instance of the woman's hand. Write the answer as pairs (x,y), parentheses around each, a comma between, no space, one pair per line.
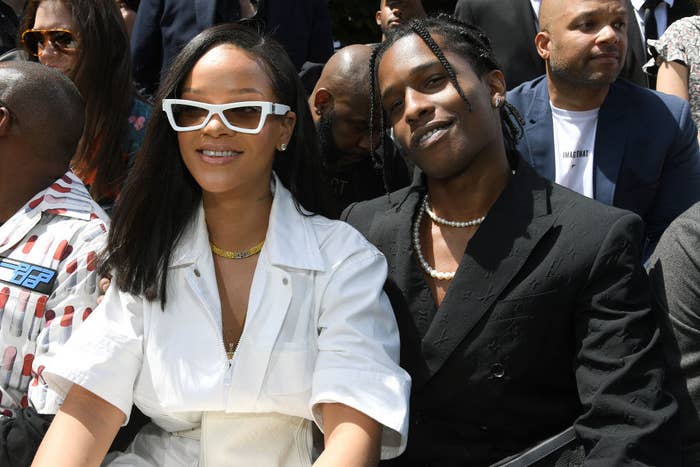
(352,439)
(81,432)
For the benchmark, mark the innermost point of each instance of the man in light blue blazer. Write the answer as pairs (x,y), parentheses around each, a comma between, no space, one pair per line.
(605,137)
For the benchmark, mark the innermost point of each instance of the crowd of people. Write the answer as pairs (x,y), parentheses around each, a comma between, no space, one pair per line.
(473,243)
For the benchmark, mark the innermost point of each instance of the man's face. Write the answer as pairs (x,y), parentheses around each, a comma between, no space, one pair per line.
(344,131)
(393,13)
(585,42)
(433,125)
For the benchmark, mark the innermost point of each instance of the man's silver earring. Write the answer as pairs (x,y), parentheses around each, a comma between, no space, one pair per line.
(283,147)
(497,102)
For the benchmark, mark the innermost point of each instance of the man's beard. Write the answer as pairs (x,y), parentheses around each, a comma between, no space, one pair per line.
(329,151)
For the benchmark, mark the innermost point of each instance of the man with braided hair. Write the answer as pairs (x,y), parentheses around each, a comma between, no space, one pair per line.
(523,307)
(603,137)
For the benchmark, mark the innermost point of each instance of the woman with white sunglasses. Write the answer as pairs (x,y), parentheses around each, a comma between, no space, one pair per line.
(236,319)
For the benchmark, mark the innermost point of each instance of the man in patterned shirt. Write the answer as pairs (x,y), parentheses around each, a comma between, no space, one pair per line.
(50,234)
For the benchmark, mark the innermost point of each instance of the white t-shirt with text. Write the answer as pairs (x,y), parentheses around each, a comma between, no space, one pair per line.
(574,141)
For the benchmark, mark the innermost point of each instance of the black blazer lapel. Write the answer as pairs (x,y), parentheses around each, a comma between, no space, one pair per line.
(391,233)
(539,131)
(498,250)
(610,144)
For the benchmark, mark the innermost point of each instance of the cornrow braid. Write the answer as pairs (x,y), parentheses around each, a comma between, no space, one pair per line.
(374,97)
(466,40)
(423,33)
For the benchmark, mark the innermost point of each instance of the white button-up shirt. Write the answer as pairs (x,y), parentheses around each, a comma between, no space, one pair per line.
(48,284)
(318,329)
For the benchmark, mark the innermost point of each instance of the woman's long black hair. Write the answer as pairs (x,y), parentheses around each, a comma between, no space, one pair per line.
(103,77)
(160,196)
(464,39)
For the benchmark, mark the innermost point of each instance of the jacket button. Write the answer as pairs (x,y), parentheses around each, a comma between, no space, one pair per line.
(285,281)
(497,370)
(196,272)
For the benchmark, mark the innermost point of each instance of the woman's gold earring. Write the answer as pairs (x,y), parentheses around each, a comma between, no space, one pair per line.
(283,147)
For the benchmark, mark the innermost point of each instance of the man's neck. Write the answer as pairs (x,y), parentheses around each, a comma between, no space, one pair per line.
(576,97)
(17,189)
(472,194)
(15,195)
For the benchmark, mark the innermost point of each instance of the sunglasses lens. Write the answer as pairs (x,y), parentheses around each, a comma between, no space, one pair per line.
(244,117)
(188,115)
(62,40)
(31,41)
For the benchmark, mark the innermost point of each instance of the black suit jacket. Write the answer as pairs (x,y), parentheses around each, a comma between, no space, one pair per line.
(303,27)
(546,324)
(636,53)
(511,26)
(163,27)
(161,30)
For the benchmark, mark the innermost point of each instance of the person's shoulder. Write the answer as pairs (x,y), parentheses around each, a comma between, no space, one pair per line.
(634,95)
(361,214)
(338,241)
(527,89)
(682,234)
(689,24)
(576,210)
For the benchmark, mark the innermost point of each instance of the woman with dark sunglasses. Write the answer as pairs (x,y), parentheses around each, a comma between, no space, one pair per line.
(237,319)
(87,41)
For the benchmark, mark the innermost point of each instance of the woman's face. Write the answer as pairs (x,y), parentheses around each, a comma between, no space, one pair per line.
(54,14)
(432,124)
(222,160)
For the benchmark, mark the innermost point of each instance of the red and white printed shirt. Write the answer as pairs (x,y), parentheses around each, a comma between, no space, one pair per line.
(48,285)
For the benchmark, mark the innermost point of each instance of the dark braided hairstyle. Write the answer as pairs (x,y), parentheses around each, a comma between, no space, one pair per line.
(466,40)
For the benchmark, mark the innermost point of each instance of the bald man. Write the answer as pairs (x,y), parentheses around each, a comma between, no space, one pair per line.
(51,232)
(340,109)
(601,136)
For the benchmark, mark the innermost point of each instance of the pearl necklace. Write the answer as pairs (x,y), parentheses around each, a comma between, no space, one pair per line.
(434,273)
(440,220)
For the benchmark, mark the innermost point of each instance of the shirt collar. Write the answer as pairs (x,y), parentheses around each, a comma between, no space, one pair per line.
(67,196)
(290,240)
(637,4)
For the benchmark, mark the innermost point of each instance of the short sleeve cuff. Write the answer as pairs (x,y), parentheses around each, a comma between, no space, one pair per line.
(109,378)
(383,397)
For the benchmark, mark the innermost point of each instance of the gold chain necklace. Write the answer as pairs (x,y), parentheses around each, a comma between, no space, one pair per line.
(236,254)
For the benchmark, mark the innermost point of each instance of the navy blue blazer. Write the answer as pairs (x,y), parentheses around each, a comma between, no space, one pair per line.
(163,27)
(646,158)
(161,30)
